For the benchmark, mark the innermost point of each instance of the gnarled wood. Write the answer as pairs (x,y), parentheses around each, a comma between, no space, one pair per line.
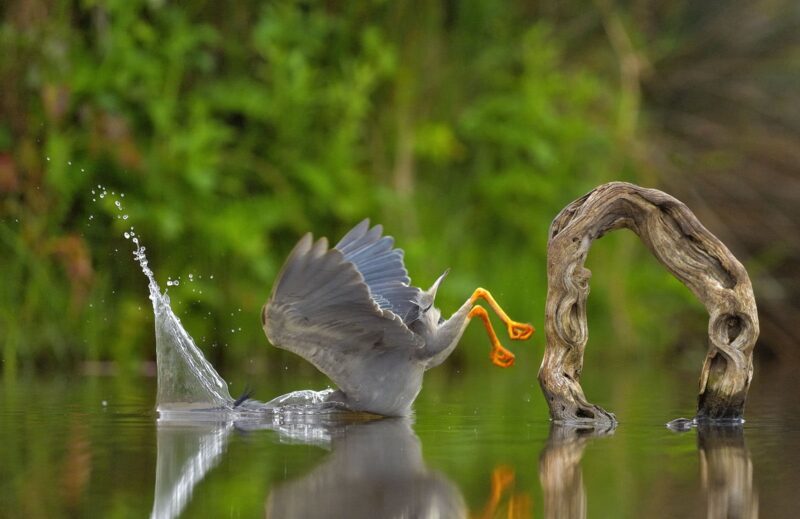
(690,252)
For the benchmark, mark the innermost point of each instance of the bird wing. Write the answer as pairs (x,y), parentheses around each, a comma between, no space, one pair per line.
(321,309)
(383,270)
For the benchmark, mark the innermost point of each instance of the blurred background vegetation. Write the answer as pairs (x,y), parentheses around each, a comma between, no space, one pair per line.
(463,127)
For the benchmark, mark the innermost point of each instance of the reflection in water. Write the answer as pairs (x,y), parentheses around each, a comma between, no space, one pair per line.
(186,452)
(727,472)
(517,505)
(375,470)
(725,465)
(560,469)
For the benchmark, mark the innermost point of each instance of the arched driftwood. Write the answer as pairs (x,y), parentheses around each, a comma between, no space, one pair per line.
(688,250)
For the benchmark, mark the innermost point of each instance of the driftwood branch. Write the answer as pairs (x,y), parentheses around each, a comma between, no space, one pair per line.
(690,252)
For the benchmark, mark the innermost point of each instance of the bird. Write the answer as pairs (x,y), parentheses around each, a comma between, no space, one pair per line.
(352,312)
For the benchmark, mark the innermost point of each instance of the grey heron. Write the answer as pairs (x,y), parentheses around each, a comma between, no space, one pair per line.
(351,311)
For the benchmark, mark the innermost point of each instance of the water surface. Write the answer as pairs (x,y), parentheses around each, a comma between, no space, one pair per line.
(479,445)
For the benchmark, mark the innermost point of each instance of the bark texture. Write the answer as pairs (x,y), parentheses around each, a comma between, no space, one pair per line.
(685,248)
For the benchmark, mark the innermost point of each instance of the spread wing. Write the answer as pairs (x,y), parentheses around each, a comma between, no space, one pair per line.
(321,309)
(383,270)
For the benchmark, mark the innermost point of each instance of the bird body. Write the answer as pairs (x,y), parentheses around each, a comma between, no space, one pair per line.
(351,311)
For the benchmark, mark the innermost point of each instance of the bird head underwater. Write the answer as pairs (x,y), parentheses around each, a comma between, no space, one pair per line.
(352,312)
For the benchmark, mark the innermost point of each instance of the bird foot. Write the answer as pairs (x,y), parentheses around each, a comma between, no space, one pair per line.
(520,331)
(501,357)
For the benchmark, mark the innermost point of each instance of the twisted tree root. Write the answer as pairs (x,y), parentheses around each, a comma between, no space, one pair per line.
(690,252)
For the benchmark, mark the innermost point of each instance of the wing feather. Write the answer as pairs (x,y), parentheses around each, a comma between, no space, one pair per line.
(382,268)
(321,309)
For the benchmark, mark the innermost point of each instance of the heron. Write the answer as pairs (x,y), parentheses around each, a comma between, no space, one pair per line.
(352,312)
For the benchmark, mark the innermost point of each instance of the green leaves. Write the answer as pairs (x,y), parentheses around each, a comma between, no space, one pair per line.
(231,134)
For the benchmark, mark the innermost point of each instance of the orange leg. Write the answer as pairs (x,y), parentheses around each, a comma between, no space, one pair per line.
(516,331)
(499,355)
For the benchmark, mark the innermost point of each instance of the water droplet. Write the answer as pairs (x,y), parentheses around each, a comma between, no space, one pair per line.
(191,277)
(122,195)
(48,159)
(93,191)
(127,235)
(104,403)
(211,276)
(91,217)
(69,163)
(119,205)
(124,216)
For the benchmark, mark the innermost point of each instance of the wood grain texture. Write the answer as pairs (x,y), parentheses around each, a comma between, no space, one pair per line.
(690,252)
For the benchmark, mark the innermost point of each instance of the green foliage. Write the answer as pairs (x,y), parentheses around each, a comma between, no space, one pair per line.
(231,134)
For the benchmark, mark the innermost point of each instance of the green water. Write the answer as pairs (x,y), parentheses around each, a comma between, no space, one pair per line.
(480,445)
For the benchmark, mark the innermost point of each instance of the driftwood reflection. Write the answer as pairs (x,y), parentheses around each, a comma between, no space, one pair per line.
(375,469)
(727,472)
(560,471)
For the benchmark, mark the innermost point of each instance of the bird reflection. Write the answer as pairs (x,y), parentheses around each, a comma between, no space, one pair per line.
(726,471)
(375,468)
(560,469)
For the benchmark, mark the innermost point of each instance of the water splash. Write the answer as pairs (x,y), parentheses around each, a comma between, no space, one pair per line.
(188,385)
(186,380)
